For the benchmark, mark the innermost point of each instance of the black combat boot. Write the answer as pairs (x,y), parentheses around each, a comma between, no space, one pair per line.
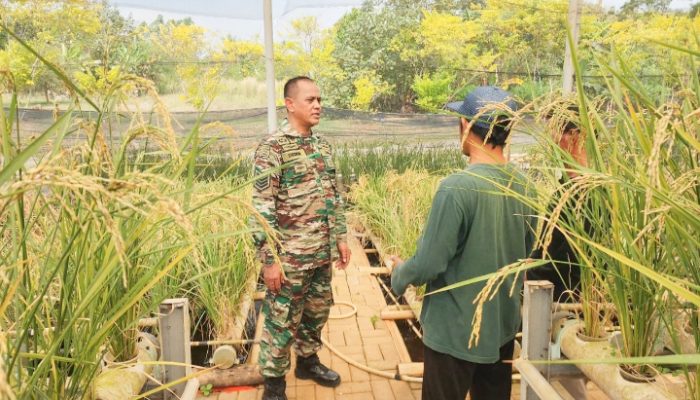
(274,388)
(311,368)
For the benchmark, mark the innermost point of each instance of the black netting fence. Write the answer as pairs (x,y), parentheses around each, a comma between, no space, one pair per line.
(243,129)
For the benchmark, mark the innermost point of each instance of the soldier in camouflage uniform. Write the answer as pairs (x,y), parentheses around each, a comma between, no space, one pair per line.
(296,193)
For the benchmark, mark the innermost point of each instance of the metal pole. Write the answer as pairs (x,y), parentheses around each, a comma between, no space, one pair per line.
(568,73)
(174,324)
(270,67)
(537,330)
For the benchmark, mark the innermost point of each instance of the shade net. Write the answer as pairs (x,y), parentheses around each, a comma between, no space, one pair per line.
(242,129)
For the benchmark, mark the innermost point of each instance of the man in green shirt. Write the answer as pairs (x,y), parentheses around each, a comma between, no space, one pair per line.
(478,223)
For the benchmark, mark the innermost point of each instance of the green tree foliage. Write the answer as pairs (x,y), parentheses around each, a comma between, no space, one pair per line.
(246,57)
(388,55)
(634,6)
(371,39)
(43,25)
(432,91)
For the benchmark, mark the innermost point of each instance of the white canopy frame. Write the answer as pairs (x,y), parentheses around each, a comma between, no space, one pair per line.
(270,67)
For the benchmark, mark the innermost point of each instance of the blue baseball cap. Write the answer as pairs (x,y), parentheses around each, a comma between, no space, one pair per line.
(477,99)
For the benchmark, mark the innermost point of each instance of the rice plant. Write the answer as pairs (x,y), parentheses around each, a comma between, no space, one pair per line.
(87,237)
(641,187)
(218,279)
(394,207)
(376,159)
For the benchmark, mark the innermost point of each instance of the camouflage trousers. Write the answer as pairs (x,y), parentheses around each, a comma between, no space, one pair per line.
(296,316)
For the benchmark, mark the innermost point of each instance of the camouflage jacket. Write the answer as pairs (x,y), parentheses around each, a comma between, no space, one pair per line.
(298,198)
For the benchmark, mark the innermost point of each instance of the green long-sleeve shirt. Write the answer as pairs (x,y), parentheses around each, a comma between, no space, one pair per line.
(473,229)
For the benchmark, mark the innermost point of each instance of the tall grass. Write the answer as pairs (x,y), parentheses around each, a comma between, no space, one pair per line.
(83,242)
(377,159)
(218,279)
(91,241)
(395,207)
(641,193)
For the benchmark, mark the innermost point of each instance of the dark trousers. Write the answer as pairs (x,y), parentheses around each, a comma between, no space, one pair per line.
(449,378)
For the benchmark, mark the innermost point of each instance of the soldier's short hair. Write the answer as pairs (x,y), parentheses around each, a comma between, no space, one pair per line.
(292,83)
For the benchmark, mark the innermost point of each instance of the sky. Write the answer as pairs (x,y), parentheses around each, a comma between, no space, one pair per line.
(242,19)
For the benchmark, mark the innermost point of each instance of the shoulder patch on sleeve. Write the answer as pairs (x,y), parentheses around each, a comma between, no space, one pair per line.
(262,183)
(263,152)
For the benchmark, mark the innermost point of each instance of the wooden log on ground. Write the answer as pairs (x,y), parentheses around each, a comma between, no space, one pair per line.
(239,375)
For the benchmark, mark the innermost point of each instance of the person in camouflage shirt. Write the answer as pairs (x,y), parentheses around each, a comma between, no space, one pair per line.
(296,194)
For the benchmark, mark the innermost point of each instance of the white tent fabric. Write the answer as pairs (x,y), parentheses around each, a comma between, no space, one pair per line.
(234,9)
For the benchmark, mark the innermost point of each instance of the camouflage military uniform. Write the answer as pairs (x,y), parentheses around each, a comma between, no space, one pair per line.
(299,200)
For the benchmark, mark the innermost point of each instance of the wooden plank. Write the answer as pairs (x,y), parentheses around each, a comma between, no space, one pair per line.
(242,317)
(239,375)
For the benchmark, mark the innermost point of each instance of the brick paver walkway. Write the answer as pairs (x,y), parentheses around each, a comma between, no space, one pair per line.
(363,337)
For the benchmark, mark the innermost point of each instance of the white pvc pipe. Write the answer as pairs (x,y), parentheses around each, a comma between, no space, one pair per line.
(191,389)
(568,78)
(607,376)
(530,374)
(270,67)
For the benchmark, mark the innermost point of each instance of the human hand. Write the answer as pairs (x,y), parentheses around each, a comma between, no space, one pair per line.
(273,277)
(393,262)
(345,254)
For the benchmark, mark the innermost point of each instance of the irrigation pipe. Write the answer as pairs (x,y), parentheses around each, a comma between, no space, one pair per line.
(356,364)
(348,314)
(220,342)
(368,369)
